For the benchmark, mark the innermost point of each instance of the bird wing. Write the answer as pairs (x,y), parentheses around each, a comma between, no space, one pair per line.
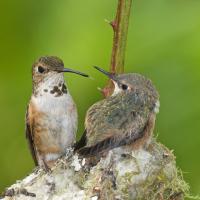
(29,136)
(112,142)
(115,121)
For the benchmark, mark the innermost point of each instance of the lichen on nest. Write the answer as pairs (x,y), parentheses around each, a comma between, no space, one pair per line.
(142,174)
(122,174)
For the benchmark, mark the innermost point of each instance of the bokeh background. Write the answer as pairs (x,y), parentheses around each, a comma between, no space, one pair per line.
(163,44)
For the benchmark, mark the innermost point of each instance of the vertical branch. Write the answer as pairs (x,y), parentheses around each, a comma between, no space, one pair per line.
(120,28)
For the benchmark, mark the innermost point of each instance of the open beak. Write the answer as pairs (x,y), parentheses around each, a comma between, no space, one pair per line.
(108,74)
(72,71)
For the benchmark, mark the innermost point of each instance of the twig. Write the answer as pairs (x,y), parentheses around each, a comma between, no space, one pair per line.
(120,28)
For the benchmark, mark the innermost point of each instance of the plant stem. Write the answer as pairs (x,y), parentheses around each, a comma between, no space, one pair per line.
(120,28)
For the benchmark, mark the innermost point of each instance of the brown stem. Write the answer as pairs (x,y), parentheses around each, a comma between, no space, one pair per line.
(120,28)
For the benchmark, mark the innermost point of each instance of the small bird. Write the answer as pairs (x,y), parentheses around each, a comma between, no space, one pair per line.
(127,117)
(51,117)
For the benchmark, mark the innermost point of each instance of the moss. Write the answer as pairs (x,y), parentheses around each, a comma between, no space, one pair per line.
(80,178)
(144,174)
(159,186)
(152,177)
(164,181)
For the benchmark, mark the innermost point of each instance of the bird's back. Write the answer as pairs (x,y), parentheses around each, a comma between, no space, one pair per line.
(115,115)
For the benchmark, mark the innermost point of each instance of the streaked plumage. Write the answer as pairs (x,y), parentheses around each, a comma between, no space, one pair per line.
(125,118)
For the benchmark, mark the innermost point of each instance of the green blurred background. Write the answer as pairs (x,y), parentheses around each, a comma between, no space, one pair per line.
(163,44)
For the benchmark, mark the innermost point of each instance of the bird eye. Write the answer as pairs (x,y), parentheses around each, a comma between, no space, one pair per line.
(41,69)
(124,87)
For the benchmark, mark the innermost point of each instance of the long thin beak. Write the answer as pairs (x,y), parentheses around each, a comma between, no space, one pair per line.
(72,71)
(108,74)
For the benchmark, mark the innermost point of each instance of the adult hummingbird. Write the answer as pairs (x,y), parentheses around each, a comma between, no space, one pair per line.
(51,117)
(127,117)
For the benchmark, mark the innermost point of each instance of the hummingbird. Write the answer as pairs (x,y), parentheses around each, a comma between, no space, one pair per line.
(126,118)
(51,116)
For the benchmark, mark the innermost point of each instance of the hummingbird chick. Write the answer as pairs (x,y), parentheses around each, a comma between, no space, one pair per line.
(51,117)
(127,117)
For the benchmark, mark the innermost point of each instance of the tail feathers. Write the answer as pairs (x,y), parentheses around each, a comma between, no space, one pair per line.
(106,144)
(111,142)
(82,142)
